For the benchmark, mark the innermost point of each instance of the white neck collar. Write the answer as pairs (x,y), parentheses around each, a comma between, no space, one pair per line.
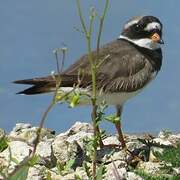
(145,43)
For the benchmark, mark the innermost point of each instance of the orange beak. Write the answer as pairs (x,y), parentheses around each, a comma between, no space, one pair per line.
(156,38)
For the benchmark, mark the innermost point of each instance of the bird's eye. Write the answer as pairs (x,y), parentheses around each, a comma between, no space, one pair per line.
(137,27)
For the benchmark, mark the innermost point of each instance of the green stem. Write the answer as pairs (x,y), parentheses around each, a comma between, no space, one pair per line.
(93,64)
(81,16)
(101,25)
(93,73)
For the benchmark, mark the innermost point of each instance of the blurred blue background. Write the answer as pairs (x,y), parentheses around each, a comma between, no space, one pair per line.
(30,30)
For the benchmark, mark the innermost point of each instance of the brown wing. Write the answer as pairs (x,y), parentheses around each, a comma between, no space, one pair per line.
(126,69)
(123,68)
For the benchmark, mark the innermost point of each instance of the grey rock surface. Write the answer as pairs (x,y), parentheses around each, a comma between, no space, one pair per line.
(62,157)
(17,150)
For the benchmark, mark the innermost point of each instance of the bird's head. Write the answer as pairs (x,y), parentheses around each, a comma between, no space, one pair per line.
(144,31)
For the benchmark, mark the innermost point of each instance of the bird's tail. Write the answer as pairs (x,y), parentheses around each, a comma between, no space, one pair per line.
(46,84)
(39,86)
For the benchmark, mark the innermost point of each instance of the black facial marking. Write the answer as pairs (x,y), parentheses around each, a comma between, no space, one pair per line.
(137,31)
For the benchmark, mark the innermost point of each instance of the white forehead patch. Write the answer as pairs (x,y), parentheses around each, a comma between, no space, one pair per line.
(130,23)
(152,25)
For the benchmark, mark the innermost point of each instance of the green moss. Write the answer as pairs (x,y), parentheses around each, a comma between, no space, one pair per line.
(146,176)
(170,155)
(3,144)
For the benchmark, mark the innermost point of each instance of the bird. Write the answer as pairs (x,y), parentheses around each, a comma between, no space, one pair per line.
(126,66)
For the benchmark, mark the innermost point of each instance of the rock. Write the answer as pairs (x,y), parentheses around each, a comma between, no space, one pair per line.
(20,126)
(152,168)
(80,126)
(2,133)
(176,171)
(133,176)
(174,138)
(163,142)
(63,150)
(166,135)
(69,145)
(114,173)
(132,141)
(111,140)
(36,173)
(45,152)
(3,162)
(26,133)
(81,173)
(55,176)
(70,176)
(17,150)
(108,155)
(3,140)
(120,156)
(79,137)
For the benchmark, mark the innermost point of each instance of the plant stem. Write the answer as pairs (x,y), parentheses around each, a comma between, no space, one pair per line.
(101,26)
(93,64)
(93,74)
(53,102)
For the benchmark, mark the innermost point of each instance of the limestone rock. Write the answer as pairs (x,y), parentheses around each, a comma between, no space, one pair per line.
(69,145)
(114,173)
(166,135)
(36,173)
(63,150)
(176,171)
(80,126)
(25,132)
(133,176)
(45,152)
(2,133)
(111,140)
(17,150)
(152,168)
(163,142)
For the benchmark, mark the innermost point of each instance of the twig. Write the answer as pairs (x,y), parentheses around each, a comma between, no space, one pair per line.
(101,26)
(115,171)
(93,65)
(53,102)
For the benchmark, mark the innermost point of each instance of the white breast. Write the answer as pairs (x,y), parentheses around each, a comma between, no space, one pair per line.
(117,98)
(109,98)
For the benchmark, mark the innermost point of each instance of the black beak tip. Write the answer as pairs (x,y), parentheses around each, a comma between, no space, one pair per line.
(161,41)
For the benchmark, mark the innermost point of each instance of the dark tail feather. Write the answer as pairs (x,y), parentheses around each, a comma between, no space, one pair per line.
(37,89)
(47,84)
(40,85)
(34,81)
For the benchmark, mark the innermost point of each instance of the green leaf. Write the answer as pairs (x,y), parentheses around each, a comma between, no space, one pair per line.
(21,174)
(3,144)
(34,160)
(101,112)
(101,172)
(112,118)
(75,100)
(69,164)
(171,155)
(60,167)
(14,160)
(77,177)
(48,177)
(147,176)
(87,170)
